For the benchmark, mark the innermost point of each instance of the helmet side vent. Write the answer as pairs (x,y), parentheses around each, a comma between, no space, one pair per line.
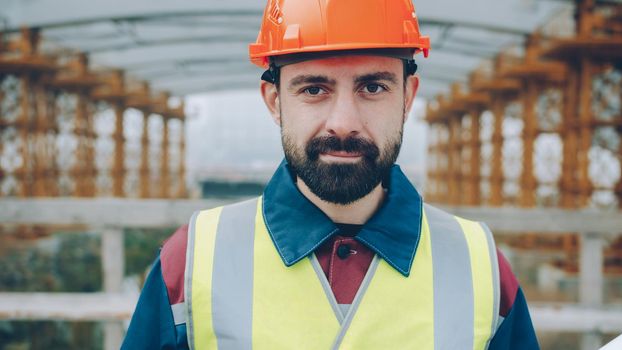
(274,12)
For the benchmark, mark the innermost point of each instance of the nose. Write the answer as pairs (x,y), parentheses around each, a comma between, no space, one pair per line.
(344,119)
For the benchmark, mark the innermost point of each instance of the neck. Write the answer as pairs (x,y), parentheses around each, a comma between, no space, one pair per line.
(354,213)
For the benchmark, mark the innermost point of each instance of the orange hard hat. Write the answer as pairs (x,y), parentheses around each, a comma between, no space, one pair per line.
(298,26)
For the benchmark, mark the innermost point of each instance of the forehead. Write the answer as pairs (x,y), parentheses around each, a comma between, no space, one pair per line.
(343,66)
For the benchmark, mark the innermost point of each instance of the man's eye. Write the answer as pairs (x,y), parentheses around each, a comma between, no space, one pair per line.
(313,90)
(373,88)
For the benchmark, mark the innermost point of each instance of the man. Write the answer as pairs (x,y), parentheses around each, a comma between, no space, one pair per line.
(340,251)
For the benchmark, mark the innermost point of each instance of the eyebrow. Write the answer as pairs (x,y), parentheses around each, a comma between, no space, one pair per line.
(386,76)
(310,79)
(322,79)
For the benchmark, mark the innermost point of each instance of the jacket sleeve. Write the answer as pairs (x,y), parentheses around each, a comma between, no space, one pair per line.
(516,331)
(152,325)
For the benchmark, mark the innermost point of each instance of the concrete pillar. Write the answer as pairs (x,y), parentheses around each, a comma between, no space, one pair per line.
(113,265)
(591,282)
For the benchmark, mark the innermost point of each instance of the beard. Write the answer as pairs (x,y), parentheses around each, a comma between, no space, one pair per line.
(341,183)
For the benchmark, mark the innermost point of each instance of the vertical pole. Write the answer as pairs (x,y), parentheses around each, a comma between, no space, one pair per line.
(475,176)
(453,161)
(465,192)
(90,167)
(569,134)
(164,165)
(438,155)
(43,136)
(85,171)
(432,164)
(38,136)
(144,157)
(113,259)
(585,131)
(591,281)
(584,14)
(29,44)
(24,173)
(2,122)
(496,171)
(79,173)
(446,180)
(182,190)
(118,168)
(458,195)
(618,188)
(51,150)
(113,263)
(433,156)
(591,263)
(528,181)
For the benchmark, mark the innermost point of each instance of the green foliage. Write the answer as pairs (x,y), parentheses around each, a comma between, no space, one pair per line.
(141,248)
(27,270)
(50,335)
(78,263)
(66,262)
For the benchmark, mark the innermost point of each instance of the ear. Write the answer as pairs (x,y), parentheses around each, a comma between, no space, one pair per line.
(412,85)
(270,96)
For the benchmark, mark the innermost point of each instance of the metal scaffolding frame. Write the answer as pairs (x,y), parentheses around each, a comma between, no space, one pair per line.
(208,40)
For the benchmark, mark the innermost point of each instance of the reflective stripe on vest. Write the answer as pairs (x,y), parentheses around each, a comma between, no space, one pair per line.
(240,295)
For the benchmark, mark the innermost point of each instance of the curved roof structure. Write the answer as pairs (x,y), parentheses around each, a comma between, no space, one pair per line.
(201,46)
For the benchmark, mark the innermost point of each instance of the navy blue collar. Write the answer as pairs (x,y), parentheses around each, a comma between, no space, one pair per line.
(298,227)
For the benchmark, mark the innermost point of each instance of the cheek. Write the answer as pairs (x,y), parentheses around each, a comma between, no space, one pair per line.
(301,123)
(298,135)
(384,124)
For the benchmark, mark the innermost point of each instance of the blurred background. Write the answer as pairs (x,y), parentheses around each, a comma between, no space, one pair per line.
(118,119)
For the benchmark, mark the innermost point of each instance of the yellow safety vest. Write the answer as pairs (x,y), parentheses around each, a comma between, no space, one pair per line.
(240,294)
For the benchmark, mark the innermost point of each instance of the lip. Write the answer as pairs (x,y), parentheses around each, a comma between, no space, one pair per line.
(342,154)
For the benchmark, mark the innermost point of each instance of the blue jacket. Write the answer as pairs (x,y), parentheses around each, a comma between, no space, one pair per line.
(294,231)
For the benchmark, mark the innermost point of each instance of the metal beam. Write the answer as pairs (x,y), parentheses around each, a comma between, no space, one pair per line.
(108,306)
(168,42)
(549,220)
(208,83)
(575,318)
(103,212)
(454,47)
(201,88)
(43,13)
(164,213)
(223,70)
(141,55)
(64,306)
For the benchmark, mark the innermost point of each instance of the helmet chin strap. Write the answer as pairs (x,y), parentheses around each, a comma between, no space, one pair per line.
(271,75)
(410,66)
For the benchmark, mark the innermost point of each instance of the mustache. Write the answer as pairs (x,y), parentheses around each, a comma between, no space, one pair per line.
(324,144)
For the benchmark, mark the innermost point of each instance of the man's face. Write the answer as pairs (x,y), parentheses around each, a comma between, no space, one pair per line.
(341,122)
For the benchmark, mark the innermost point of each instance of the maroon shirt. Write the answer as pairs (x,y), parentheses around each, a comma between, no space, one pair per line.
(344,261)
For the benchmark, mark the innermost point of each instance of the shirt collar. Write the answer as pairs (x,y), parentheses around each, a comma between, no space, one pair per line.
(297,227)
